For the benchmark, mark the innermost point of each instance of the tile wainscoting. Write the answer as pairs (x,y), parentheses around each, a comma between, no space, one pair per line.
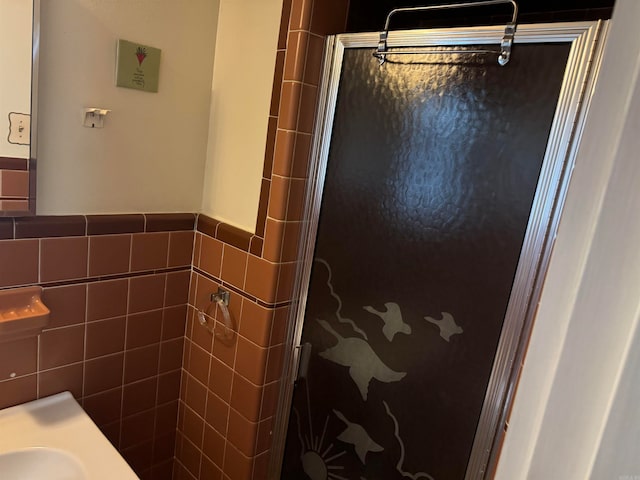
(15,185)
(230,387)
(117,287)
(124,291)
(230,390)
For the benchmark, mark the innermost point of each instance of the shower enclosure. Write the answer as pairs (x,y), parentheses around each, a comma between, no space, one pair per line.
(436,188)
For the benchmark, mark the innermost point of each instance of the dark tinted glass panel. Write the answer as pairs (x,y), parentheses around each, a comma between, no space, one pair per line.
(431,176)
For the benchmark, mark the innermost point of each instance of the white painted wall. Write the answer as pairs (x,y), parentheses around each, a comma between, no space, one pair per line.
(574,416)
(15,69)
(242,83)
(618,453)
(150,155)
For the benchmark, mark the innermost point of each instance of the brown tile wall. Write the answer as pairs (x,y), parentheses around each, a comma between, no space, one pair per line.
(14,190)
(13,163)
(118,292)
(305,24)
(14,185)
(117,287)
(230,387)
(12,205)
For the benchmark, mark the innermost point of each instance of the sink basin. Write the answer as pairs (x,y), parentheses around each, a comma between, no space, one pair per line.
(38,463)
(54,439)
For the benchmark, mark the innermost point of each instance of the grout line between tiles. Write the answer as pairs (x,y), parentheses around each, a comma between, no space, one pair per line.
(170,242)
(246,271)
(88,254)
(233,369)
(39,260)
(302,84)
(38,370)
(103,278)
(289,130)
(193,248)
(155,416)
(86,316)
(124,356)
(130,251)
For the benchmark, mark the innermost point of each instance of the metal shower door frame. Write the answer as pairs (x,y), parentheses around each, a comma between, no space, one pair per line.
(587,42)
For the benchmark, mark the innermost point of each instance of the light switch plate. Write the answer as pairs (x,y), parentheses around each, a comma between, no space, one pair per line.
(19,128)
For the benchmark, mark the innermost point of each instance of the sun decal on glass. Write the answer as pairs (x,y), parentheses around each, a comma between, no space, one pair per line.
(318,459)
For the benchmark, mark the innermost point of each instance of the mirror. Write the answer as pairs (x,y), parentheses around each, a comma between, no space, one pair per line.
(19,48)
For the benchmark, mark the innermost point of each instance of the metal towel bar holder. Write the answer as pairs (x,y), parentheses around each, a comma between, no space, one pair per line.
(504,53)
(221,299)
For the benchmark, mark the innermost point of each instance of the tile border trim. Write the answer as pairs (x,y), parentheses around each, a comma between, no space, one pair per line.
(13,163)
(48,226)
(227,233)
(239,291)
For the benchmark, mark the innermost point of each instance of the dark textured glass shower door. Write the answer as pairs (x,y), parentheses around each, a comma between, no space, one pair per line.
(430,180)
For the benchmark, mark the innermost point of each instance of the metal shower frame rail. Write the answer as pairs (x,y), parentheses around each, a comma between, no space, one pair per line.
(504,53)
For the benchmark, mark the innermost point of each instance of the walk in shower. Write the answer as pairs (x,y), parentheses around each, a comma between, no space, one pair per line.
(436,187)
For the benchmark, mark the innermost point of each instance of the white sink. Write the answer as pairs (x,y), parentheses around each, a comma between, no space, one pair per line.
(54,439)
(38,463)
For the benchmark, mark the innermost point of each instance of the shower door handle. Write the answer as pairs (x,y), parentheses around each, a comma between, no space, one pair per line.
(304,354)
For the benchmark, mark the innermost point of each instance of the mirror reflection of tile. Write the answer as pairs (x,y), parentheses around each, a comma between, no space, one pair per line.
(16,20)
